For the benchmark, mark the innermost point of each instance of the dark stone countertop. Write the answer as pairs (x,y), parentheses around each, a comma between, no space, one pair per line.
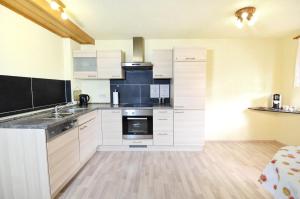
(270,109)
(40,121)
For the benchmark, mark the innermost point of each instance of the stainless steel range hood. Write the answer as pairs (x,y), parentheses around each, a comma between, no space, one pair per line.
(138,56)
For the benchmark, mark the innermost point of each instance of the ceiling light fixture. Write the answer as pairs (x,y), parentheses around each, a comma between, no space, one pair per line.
(245,14)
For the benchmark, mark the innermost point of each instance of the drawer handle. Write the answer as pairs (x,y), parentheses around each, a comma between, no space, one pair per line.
(179,111)
(163,134)
(158,75)
(83,127)
(190,58)
(115,76)
(91,75)
(162,119)
(115,111)
(137,142)
(162,111)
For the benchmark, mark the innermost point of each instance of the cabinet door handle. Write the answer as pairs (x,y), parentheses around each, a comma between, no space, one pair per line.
(190,58)
(162,111)
(83,127)
(179,112)
(163,134)
(162,119)
(115,111)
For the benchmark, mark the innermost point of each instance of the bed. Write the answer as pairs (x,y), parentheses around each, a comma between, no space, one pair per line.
(281,176)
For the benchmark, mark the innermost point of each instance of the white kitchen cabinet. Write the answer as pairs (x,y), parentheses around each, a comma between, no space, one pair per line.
(188,127)
(85,64)
(189,85)
(63,159)
(163,127)
(109,64)
(162,64)
(189,54)
(112,127)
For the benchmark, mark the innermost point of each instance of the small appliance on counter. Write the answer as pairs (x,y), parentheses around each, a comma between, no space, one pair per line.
(115,97)
(276,101)
(84,99)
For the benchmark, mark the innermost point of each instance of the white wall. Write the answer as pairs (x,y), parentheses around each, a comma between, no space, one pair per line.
(27,49)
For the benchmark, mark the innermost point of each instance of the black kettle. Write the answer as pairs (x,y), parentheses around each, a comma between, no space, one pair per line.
(84,99)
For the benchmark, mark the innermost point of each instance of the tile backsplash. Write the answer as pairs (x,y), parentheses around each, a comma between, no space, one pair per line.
(135,88)
(23,94)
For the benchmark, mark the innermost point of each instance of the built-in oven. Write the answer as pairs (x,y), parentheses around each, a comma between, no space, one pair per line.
(137,124)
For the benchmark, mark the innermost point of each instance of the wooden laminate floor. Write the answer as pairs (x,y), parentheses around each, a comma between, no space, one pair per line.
(222,170)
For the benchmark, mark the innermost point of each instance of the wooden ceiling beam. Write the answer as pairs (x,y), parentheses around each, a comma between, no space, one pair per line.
(40,12)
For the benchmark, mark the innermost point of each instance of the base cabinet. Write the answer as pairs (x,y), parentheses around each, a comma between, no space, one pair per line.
(163,127)
(63,160)
(88,140)
(112,127)
(188,127)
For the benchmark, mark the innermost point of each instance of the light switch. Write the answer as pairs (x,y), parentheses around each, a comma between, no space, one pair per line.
(154,90)
(164,90)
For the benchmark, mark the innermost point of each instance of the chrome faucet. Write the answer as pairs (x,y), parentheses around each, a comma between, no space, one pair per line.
(56,109)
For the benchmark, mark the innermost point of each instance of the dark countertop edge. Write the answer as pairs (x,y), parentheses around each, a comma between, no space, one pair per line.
(269,109)
(90,108)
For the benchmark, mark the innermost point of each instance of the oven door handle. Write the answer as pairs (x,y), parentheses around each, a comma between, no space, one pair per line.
(137,118)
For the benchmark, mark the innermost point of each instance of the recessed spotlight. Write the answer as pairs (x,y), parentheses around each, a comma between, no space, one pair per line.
(64,16)
(54,5)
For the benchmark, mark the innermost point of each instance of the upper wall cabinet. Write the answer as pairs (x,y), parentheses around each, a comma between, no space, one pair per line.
(109,64)
(189,54)
(85,64)
(162,64)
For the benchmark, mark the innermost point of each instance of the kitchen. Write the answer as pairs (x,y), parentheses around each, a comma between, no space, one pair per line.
(70,102)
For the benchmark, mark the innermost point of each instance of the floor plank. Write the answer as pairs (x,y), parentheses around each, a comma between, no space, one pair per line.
(222,170)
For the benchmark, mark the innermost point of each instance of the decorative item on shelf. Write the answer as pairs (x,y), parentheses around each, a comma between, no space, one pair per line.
(276,101)
(59,6)
(245,14)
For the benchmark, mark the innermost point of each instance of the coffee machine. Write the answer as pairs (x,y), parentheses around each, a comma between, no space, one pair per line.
(276,101)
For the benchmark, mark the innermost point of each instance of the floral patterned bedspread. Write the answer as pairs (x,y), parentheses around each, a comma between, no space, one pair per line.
(281,176)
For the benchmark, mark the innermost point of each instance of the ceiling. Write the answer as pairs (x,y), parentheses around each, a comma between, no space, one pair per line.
(154,19)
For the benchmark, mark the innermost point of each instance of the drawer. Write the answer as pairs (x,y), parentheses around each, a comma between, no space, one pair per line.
(163,121)
(163,138)
(161,113)
(138,142)
(87,117)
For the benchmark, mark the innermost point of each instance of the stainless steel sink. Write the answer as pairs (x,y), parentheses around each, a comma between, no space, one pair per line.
(74,110)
